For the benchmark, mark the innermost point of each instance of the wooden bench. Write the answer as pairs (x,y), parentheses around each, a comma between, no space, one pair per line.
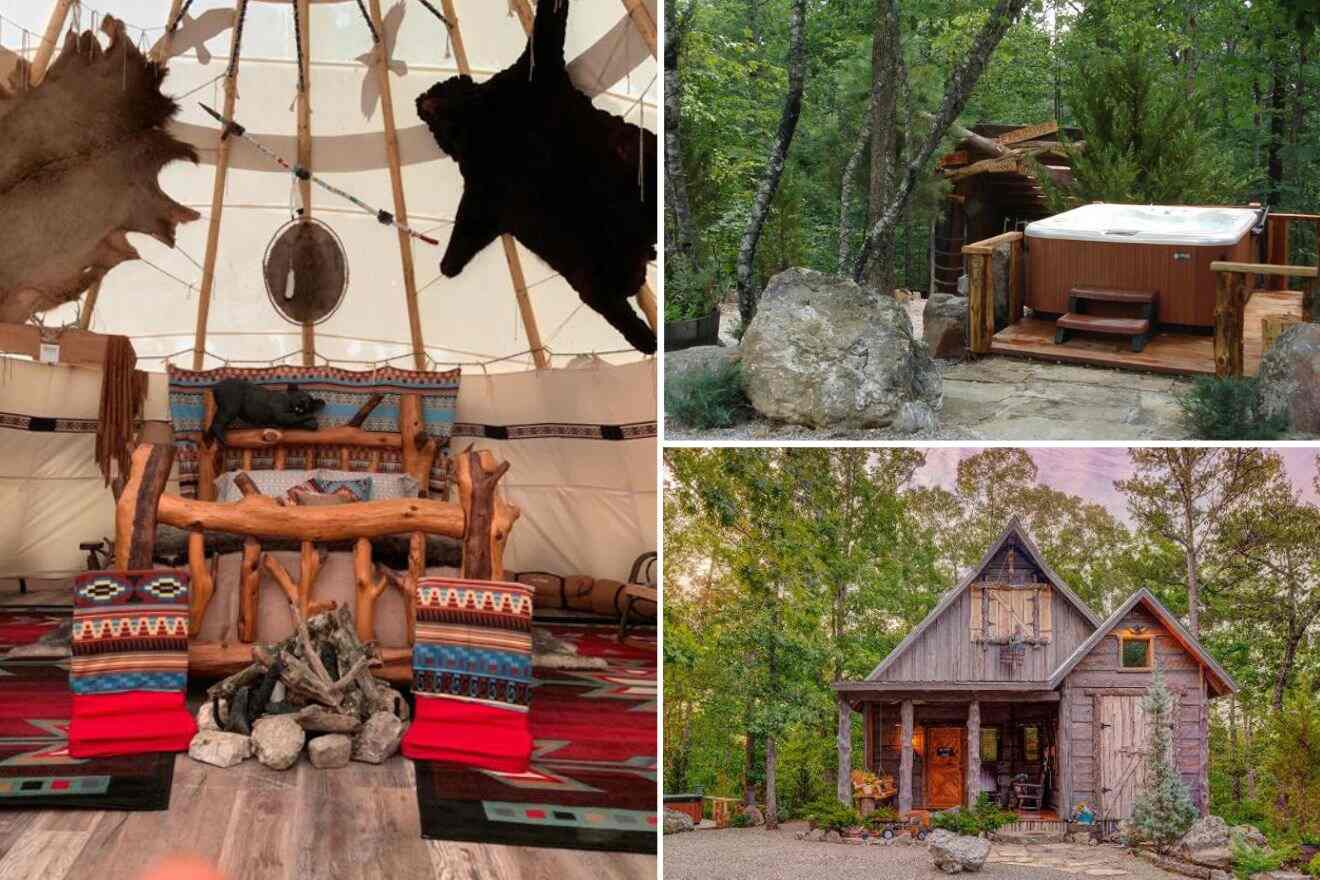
(1138,327)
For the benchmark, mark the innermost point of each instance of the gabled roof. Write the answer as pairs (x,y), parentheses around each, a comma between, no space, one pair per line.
(1222,682)
(1014,529)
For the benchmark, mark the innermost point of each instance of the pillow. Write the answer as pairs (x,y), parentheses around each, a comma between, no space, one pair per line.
(383,486)
(275,484)
(316,499)
(355,490)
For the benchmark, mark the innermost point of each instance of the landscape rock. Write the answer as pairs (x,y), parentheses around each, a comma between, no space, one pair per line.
(378,739)
(1279,875)
(754,815)
(823,351)
(676,822)
(702,357)
(206,719)
(330,751)
(1290,378)
(277,741)
(1207,842)
(955,853)
(903,840)
(1249,834)
(220,749)
(832,836)
(1080,837)
(944,325)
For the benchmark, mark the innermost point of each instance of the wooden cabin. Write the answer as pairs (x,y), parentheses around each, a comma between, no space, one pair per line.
(1011,677)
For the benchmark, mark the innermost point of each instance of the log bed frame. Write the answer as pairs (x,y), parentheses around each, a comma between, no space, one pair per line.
(479,519)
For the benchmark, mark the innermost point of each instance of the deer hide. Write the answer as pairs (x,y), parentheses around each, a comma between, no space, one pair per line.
(81,155)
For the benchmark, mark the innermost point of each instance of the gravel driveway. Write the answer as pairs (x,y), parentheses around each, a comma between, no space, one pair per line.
(756,854)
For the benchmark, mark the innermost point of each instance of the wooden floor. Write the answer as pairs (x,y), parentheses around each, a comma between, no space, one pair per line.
(1177,353)
(252,822)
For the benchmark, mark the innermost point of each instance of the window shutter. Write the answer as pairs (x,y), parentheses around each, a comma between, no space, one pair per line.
(975,624)
(1045,597)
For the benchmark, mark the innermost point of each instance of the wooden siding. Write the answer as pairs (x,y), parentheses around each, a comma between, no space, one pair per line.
(945,652)
(1186,288)
(1098,674)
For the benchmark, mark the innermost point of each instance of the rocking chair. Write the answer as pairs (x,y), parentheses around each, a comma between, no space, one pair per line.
(1027,793)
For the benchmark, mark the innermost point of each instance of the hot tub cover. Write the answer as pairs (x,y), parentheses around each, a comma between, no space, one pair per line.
(1147,224)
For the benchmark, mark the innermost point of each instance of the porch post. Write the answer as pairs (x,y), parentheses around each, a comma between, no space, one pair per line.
(973,752)
(845,753)
(1063,754)
(868,727)
(905,762)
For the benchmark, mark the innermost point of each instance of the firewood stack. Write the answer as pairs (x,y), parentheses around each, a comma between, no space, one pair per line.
(315,685)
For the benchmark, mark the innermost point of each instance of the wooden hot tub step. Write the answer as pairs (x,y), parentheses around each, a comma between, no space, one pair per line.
(1137,328)
(1100,294)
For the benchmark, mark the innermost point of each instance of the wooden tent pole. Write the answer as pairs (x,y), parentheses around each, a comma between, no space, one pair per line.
(217,199)
(516,273)
(88,306)
(643,21)
(161,50)
(305,152)
(41,60)
(396,184)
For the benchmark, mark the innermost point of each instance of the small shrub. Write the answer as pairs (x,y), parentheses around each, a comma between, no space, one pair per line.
(833,816)
(959,822)
(1314,867)
(1249,859)
(689,293)
(708,398)
(881,816)
(741,820)
(1229,409)
(985,817)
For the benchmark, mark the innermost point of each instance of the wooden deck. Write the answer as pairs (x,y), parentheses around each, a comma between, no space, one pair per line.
(1176,353)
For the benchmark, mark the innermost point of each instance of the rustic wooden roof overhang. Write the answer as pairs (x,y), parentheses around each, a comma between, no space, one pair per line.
(1014,529)
(1217,677)
(857,692)
(1007,159)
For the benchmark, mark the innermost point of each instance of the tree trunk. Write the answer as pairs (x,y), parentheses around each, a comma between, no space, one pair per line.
(749,767)
(961,83)
(846,188)
(844,742)
(1193,580)
(1282,677)
(676,187)
(774,170)
(771,802)
(886,63)
(1274,152)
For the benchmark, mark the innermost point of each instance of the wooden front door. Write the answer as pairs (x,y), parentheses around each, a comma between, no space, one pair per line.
(944,766)
(1124,734)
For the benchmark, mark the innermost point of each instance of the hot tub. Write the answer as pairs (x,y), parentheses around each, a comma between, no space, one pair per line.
(1138,247)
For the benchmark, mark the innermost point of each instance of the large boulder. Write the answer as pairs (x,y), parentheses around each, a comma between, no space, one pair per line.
(1207,842)
(1290,378)
(822,351)
(692,360)
(676,822)
(955,853)
(944,325)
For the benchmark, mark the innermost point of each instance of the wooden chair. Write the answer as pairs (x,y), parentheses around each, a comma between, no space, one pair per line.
(640,588)
(1029,793)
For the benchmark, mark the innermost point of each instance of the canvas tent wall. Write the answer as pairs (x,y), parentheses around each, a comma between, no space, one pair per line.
(473,318)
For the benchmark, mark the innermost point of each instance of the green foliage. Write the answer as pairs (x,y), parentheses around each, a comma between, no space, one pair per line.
(1228,409)
(1294,761)
(1163,809)
(881,816)
(985,817)
(833,816)
(1249,859)
(1313,867)
(708,397)
(689,292)
(741,820)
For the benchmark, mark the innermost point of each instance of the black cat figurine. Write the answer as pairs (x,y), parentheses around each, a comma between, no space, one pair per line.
(240,400)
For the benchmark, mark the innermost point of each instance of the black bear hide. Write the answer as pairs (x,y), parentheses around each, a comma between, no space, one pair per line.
(239,400)
(576,185)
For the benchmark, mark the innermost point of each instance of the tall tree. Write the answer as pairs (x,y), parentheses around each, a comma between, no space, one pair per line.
(1185,494)
(774,168)
(957,92)
(887,72)
(680,235)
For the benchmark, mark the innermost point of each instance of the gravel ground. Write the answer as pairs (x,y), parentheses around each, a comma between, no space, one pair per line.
(763,429)
(756,854)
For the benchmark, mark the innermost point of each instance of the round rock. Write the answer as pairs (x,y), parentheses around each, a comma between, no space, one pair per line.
(220,749)
(278,741)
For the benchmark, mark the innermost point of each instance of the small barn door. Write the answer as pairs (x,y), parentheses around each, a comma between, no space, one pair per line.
(1124,734)
(944,767)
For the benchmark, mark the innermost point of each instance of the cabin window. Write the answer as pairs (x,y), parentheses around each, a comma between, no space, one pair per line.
(1135,652)
(1031,744)
(989,744)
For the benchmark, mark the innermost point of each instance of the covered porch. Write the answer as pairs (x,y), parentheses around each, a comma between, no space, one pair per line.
(946,744)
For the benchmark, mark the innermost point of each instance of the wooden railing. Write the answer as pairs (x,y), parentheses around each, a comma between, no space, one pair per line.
(1279,227)
(981,288)
(1231,305)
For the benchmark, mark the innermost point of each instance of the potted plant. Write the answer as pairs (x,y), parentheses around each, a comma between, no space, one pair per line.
(692,315)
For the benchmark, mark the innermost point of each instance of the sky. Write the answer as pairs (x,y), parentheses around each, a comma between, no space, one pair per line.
(1091,472)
